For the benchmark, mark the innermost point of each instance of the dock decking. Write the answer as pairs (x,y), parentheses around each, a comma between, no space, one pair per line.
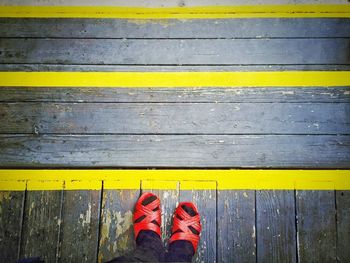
(211,127)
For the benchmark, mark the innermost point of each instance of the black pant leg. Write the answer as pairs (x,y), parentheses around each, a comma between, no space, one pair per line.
(149,248)
(180,251)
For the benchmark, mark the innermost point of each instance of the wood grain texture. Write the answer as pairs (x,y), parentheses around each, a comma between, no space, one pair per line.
(57,67)
(317,151)
(205,200)
(178,95)
(169,198)
(41,226)
(179,118)
(316,226)
(11,214)
(183,52)
(343,225)
(236,237)
(80,226)
(172,28)
(116,227)
(276,232)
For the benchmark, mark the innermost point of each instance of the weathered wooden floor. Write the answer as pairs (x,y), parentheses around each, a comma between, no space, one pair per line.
(238,225)
(263,128)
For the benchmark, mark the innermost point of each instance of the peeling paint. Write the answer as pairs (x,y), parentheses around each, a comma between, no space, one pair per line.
(5,195)
(85,219)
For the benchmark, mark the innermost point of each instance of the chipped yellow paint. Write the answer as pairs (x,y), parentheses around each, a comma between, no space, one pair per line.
(83,184)
(5,195)
(202,12)
(189,179)
(176,79)
(123,223)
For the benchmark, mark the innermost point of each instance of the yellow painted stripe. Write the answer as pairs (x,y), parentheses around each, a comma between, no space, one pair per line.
(45,185)
(13,185)
(205,12)
(198,185)
(222,179)
(86,184)
(175,79)
(121,184)
(159,184)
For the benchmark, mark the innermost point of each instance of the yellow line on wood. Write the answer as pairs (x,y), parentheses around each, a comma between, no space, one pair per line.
(13,185)
(158,184)
(176,79)
(204,12)
(121,184)
(33,185)
(168,179)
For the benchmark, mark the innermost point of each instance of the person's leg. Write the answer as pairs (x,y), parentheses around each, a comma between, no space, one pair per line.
(147,221)
(185,233)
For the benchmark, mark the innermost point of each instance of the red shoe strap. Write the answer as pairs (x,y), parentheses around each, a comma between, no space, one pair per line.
(150,215)
(181,227)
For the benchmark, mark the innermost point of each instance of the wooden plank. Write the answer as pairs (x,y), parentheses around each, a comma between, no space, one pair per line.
(173,28)
(185,118)
(42,220)
(80,226)
(343,225)
(169,198)
(187,51)
(11,214)
(236,226)
(316,226)
(116,227)
(232,95)
(202,95)
(27,67)
(313,151)
(276,232)
(205,200)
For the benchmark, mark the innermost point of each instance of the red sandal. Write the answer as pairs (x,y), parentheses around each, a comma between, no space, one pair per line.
(186,226)
(147,214)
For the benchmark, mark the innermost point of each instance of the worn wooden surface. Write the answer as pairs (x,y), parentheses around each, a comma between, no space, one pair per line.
(179,118)
(343,225)
(183,52)
(316,226)
(276,233)
(238,226)
(11,214)
(80,226)
(178,95)
(41,225)
(205,201)
(236,236)
(116,228)
(172,28)
(312,151)
(56,67)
